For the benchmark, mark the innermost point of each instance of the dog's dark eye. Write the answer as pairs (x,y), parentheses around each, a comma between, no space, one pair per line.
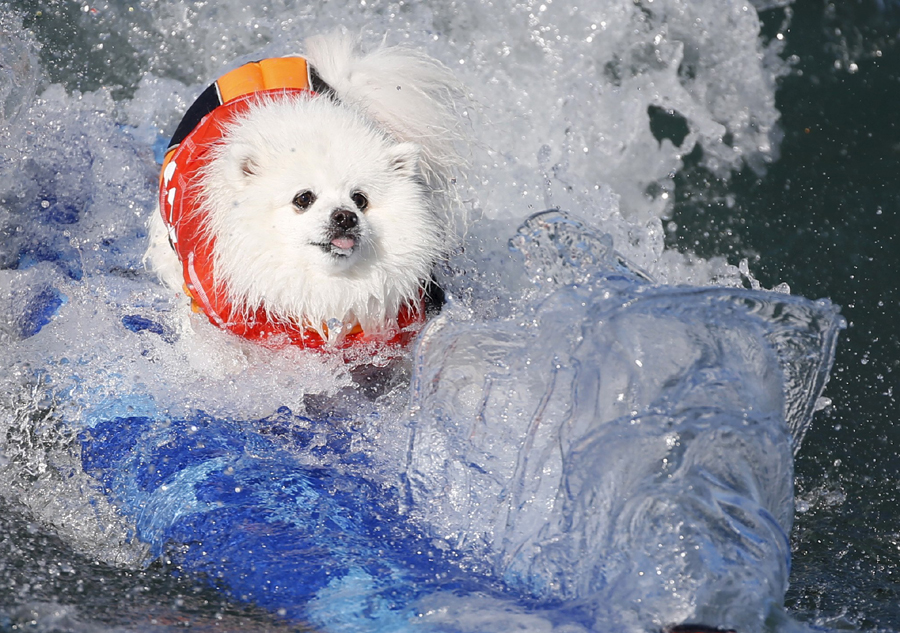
(304,200)
(360,200)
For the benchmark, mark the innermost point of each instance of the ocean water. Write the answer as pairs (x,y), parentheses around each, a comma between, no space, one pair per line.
(825,218)
(610,382)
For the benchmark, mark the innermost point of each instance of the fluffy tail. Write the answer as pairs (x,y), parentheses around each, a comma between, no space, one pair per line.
(415,97)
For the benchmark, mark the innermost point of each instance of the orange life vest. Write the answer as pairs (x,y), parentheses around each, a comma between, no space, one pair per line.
(188,152)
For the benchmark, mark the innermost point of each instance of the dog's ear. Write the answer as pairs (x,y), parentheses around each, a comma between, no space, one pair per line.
(243,162)
(404,159)
(249,166)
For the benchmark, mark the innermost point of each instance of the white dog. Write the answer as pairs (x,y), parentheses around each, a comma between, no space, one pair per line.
(315,213)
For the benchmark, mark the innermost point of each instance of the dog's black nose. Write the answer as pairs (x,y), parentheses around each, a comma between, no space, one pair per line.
(344,218)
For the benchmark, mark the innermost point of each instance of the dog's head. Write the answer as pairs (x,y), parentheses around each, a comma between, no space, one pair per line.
(317,214)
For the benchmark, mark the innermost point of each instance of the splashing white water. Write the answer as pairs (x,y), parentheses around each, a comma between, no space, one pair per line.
(563,99)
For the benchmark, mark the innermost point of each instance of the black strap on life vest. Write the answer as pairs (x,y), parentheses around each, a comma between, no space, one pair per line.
(208,101)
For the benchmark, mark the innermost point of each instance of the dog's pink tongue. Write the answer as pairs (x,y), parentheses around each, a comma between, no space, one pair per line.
(344,243)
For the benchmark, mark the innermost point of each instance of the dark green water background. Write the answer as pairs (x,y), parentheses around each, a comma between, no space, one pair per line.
(825,219)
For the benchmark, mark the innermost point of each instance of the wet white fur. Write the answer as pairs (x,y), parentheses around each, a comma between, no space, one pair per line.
(390,135)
